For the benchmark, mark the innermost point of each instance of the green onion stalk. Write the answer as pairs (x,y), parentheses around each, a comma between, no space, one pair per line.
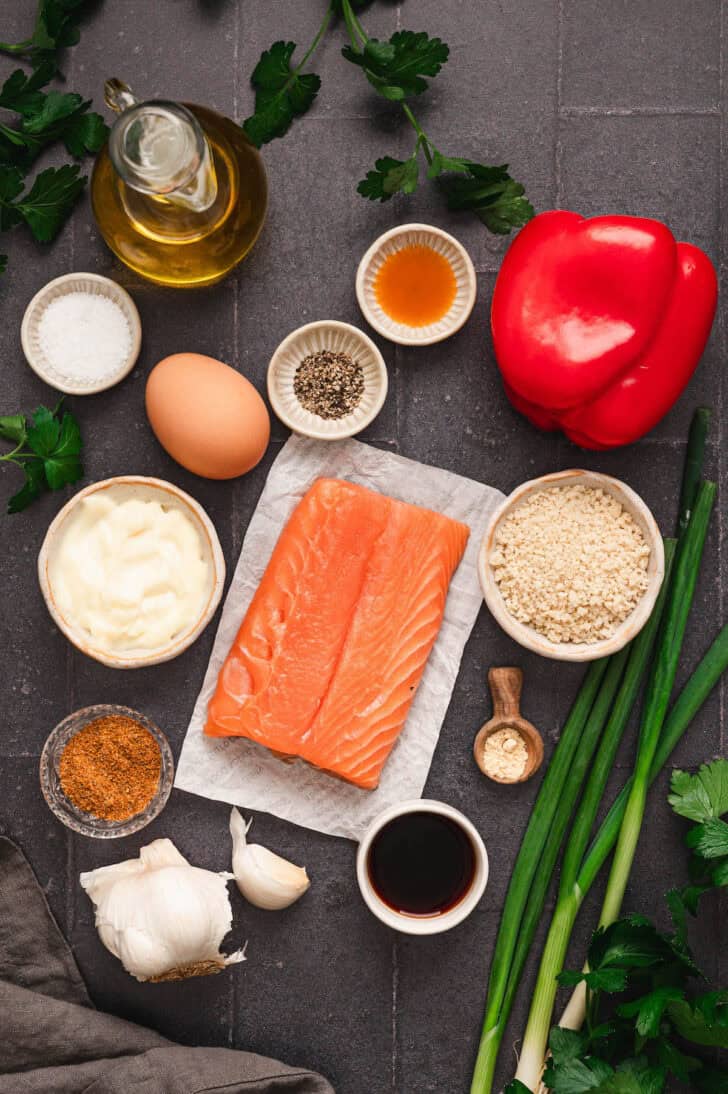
(550,807)
(635,657)
(572,889)
(697,689)
(693,470)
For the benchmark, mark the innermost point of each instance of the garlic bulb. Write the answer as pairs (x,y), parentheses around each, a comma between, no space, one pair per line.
(163,918)
(264,878)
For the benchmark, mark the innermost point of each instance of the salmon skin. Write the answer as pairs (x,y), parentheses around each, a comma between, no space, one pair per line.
(329,655)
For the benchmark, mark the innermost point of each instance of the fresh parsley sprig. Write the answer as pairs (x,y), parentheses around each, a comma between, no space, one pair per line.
(646,1020)
(398,69)
(56,27)
(656,1027)
(702,798)
(47,450)
(45,206)
(282,93)
(43,118)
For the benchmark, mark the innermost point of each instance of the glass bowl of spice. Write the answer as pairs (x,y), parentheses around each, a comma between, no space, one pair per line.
(106,771)
(327,380)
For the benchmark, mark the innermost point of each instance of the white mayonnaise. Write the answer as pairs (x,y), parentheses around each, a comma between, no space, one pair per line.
(130,572)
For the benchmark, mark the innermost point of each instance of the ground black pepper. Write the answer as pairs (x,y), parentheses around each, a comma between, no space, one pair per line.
(329,384)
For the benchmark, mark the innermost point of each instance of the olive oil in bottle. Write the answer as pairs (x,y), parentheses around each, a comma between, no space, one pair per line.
(178,192)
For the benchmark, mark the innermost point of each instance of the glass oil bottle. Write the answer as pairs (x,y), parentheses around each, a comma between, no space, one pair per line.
(179,193)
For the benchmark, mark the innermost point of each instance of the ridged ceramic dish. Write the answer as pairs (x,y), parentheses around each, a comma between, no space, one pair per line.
(70,814)
(408,235)
(413,924)
(169,495)
(312,338)
(632,625)
(60,286)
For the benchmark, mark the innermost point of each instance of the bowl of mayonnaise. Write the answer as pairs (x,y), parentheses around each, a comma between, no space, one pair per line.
(132,571)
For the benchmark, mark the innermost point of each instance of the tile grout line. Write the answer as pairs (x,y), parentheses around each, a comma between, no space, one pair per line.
(235,513)
(397,434)
(559,100)
(71,880)
(638,111)
(721,392)
(722,344)
(395,993)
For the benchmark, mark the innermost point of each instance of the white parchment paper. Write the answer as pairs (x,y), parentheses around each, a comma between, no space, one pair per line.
(246,774)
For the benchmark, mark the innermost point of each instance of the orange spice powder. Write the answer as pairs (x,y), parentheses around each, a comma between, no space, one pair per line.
(111,768)
(415,286)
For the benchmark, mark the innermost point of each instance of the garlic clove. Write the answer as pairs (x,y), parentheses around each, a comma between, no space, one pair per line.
(162,917)
(264,878)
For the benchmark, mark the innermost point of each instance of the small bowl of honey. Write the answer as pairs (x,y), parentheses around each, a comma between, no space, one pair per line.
(416,285)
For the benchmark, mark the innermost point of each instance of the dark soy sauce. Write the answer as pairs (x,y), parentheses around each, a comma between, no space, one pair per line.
(421,864)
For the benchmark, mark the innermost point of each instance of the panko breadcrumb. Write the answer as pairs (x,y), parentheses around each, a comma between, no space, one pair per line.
(570,562)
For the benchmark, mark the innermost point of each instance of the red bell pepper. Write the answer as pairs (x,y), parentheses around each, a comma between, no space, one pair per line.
(599,324)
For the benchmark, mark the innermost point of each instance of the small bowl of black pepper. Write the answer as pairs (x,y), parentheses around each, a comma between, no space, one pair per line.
(327,380)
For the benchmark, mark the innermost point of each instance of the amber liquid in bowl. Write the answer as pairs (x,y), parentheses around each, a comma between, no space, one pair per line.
(415,286)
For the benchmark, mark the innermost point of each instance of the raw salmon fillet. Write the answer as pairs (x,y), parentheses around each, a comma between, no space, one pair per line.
(335,641)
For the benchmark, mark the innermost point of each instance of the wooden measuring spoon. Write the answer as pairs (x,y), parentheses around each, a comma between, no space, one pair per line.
(505,688)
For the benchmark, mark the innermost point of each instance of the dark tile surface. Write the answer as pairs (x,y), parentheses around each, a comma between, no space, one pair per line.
(598,107)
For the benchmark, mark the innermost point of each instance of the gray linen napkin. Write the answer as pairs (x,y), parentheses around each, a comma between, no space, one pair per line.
(53,1041)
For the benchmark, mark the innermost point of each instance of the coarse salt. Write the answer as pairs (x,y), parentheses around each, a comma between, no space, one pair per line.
(86,337)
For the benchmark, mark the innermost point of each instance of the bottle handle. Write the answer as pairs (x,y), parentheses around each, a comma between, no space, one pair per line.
(118,96)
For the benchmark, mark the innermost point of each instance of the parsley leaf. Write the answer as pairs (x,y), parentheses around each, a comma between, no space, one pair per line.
(396,68)
(576,1075)
(489,192)
(440,163)
(710,839)
(86,132)
(56,27)
(46,118)
(44,207)
(11,185)
(42,119)
(22,93)
(702,1021)
(32,489)
(62,464)
(281,94)
(47,449)
(389,177)
(12,428)
(648,1010)
(702,796)
(44,433)
(566,1044)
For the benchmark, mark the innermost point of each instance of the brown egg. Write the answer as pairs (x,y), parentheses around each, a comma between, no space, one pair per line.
(207,416)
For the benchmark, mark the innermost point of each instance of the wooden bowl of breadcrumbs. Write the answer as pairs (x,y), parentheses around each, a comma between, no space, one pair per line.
(571,565)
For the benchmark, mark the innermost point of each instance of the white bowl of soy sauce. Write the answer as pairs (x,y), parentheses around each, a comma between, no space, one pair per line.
(422,867)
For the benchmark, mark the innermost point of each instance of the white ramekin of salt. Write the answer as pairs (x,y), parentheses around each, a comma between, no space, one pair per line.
(81,333)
